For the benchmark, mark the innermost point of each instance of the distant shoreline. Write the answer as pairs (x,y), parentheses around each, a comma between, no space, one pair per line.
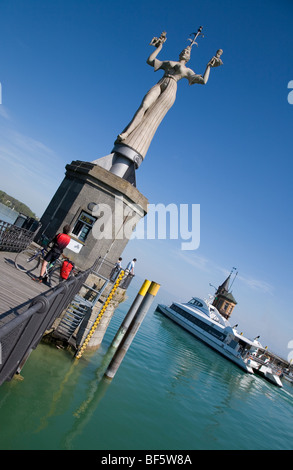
(7,214)
(16,205)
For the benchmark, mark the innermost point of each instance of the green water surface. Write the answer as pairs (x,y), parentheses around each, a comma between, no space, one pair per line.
(171,392)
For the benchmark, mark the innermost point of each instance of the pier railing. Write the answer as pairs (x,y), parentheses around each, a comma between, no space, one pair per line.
(111,272)
(14,238)
(21,335)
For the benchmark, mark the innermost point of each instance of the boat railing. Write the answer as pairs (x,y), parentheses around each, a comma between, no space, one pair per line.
(266,362)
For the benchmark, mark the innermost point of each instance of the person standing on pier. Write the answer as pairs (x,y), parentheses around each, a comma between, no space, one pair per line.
(130,266)
(116,270)
(60,242)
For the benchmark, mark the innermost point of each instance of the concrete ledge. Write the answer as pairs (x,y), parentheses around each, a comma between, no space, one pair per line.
(93,172)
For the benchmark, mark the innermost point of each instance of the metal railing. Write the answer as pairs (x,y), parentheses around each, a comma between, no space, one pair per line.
(109,271)
(23,333)
(14,238)
(83,303)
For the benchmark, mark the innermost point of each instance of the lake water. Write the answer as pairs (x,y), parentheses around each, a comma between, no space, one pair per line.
(7,214)
(170,392)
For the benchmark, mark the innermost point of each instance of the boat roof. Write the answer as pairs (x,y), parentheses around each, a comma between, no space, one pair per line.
(202,307)
(249,341)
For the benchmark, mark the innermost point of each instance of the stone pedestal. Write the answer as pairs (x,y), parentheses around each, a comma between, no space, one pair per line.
(101,208)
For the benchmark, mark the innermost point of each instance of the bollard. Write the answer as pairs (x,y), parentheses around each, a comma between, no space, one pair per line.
(132,330)
(130,314)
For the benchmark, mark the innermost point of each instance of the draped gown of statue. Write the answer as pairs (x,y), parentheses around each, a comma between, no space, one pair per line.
(141,136)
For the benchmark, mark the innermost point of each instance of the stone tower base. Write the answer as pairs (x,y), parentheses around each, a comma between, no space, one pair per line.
(101,208)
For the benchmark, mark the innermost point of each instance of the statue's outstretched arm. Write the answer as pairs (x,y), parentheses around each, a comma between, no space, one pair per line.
(152,57)
(202,79)
(194,78)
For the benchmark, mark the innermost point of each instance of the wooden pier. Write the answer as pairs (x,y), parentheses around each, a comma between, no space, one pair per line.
(17,288)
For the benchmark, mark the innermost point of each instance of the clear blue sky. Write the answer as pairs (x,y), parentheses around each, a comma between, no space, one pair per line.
(72,75)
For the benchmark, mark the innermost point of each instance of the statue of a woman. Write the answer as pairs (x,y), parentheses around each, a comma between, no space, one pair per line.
(159,99)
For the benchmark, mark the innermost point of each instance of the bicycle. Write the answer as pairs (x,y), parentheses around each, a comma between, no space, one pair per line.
(29,260)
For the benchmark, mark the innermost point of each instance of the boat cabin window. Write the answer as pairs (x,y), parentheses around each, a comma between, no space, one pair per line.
(201,324)
(243,347)
(195,302)
(233,344)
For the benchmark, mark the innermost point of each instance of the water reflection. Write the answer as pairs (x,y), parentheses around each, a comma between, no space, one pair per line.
(84,413)
(95,392)
(60,396)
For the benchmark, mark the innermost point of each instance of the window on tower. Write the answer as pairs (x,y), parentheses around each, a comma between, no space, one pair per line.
(83,226)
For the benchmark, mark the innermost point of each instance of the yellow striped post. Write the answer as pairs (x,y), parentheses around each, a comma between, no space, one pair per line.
(130,314)
(132,330)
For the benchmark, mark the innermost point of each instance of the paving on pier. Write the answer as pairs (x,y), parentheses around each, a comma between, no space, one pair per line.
(17,288)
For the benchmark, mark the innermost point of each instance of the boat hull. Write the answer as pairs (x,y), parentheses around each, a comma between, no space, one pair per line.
(266,372)
(220,348)
(269,375)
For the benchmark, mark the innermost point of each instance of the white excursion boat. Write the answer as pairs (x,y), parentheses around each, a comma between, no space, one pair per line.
(205,322)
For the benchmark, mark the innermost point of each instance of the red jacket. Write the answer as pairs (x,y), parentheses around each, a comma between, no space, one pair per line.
(60,242)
